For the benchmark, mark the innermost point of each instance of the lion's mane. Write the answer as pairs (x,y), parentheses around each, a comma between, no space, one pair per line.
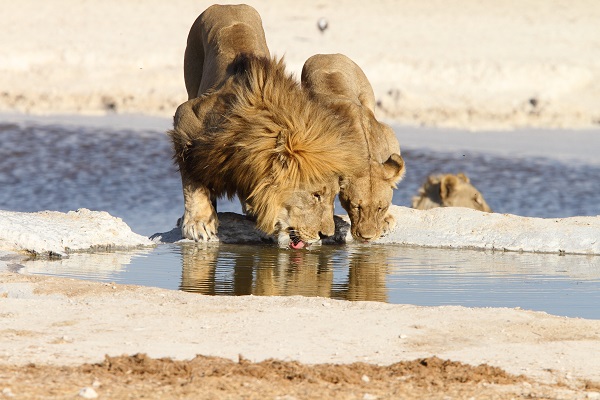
(262,138)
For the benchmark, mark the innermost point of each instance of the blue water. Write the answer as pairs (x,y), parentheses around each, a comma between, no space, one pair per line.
(130,174)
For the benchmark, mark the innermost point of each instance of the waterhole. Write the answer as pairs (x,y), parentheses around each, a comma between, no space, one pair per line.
(130,174)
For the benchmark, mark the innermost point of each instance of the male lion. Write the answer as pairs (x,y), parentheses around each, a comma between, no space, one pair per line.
(366,195)
(248,129)
(449,191)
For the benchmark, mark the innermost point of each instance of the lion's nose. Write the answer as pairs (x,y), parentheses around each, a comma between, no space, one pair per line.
(366,236)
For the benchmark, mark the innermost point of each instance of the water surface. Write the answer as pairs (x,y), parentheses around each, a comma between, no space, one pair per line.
(561,285)
(130,174)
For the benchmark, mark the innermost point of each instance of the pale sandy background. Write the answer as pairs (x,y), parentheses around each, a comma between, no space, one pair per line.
(475,64)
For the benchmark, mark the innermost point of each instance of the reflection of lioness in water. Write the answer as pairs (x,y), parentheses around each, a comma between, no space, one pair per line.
(449,191)
(248,129)
(366,195)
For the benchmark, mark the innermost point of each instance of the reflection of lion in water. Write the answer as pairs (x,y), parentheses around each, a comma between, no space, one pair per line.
(449,191)
(248,129)
(336,80)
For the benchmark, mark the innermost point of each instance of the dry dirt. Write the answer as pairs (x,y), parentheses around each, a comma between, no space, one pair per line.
(140,376)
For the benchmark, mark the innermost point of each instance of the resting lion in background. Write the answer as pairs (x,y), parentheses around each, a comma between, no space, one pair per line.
(366,195)
(248,129)
(449,191)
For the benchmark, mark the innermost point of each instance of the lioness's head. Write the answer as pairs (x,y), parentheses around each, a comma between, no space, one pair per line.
(449,191)
(367,197)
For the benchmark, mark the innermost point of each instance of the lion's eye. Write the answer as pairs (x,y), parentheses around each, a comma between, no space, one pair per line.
(317,196)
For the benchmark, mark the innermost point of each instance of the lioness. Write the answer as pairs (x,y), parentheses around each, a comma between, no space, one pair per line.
(248,129)
(449,191)
(366,195)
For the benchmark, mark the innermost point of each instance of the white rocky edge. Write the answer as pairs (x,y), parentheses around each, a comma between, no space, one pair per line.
(57,234)
(447,228)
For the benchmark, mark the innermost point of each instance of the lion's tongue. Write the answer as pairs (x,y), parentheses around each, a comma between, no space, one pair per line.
(297,245)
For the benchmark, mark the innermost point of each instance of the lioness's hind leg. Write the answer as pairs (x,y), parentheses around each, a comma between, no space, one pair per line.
(199,221)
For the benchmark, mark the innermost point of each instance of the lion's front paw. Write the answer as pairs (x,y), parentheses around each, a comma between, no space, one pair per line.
(199,227)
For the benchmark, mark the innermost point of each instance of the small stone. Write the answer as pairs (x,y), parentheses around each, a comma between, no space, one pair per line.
(402,336)
(96,384)
(88,393)
(369,396)
(365,379)
(322,24)
(593,395)
(7,392)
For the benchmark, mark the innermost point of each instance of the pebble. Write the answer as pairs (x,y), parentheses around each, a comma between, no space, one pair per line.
(88,393)
(7,392)
(365,379)
(369,396)
(593,395)
(322,24)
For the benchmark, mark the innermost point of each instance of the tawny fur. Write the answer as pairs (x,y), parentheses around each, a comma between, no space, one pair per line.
(256,134)
(366,195)
(448,190)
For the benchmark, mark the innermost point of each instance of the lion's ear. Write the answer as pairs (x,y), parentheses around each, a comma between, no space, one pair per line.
(394,169)
(239,65)
(344,182)
(448,185)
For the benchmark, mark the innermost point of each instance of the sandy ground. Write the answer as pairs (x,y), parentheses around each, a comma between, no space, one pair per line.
(464,64)
(539,355)
(484,64)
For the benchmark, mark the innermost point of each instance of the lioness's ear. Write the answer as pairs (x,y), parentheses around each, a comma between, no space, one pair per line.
(447,185)
(394,169)
(463,177)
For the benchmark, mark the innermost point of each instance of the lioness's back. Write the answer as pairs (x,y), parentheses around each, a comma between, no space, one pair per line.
(327,74)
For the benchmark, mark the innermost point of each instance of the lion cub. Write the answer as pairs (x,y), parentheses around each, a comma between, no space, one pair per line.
(248,129)
(340,84)
(449,191)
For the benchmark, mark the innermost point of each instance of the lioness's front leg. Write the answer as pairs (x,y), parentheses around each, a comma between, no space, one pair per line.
(389,223)
(199,220)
